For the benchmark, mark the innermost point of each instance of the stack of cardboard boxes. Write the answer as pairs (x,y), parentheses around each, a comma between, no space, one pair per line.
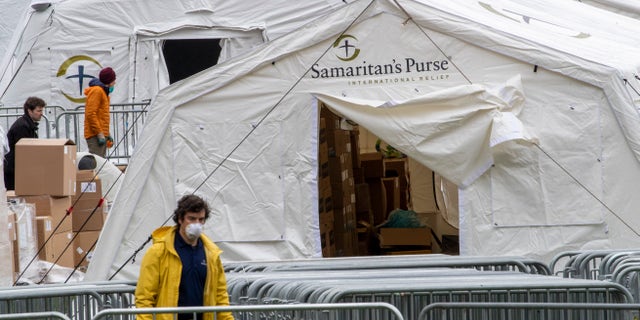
(48,181)
(341,182)
(88,216)
(364,189)
(325,200)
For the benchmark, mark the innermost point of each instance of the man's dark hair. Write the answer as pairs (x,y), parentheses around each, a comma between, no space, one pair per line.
(32,103)
(190,203)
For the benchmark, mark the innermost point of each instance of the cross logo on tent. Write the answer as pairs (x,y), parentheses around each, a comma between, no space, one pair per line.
(81,75)
(347,51)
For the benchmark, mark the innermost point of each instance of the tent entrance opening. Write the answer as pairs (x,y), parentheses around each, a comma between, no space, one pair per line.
(186,57)
(373,199)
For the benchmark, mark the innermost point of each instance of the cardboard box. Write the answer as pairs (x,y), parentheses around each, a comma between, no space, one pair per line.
(363,199)
(44,231)
(83,246)
(322,131)
(88,186)
(327,237)
(88,209)
(392,191)
(89,219)
(346,243)
(13,239)
(372,165)
(46,166)
(405,236)
(323,160)
(355,147)
(339,142)
(331,120)
(440,227)
(397,167)
(340,168)
(378,199)
(61,252)
(55,207)
(403,252)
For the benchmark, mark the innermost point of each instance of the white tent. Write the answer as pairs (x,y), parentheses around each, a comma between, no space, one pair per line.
(56,50)
(629,8)
(537,127)
(13,12)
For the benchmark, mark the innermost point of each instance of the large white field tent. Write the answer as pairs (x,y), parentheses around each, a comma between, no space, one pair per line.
(537,125)
(629,8)
(9,22)
(59,45)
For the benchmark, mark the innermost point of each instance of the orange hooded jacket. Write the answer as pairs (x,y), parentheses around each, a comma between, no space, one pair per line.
(96,110)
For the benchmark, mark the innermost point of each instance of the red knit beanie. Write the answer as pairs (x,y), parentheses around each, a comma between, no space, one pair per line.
(107,75)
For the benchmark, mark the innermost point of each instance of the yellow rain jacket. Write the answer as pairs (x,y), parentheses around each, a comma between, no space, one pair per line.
(160,272)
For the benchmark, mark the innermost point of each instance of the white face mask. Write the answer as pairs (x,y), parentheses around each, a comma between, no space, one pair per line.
(194,230)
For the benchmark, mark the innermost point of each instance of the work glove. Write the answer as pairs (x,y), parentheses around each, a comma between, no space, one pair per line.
(101,139)
(109,141)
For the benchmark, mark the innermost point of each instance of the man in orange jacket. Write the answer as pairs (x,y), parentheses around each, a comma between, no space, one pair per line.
(96,112)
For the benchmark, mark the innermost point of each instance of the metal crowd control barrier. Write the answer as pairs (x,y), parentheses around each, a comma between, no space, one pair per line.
(249,288)
(77,301)
(621,266)
(7,119)
(587,264)
(127,121)
(411,292)
(614,260)
(35,315)
(8,115)
(520,264)
(375,310)
(542,311)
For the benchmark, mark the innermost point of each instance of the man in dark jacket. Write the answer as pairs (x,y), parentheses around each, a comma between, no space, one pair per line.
(24,127)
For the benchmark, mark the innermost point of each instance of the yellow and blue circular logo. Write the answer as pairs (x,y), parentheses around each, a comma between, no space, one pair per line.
(347,47)
(75,68)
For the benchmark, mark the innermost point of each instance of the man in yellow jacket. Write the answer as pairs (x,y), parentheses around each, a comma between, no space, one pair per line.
(96,112)
(183,267)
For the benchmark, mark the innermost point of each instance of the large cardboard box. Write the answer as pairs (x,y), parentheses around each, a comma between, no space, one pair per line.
(45,166)
(405,236)
(83,246)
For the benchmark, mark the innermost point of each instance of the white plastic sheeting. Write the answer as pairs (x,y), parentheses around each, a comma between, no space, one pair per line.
(451,130)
